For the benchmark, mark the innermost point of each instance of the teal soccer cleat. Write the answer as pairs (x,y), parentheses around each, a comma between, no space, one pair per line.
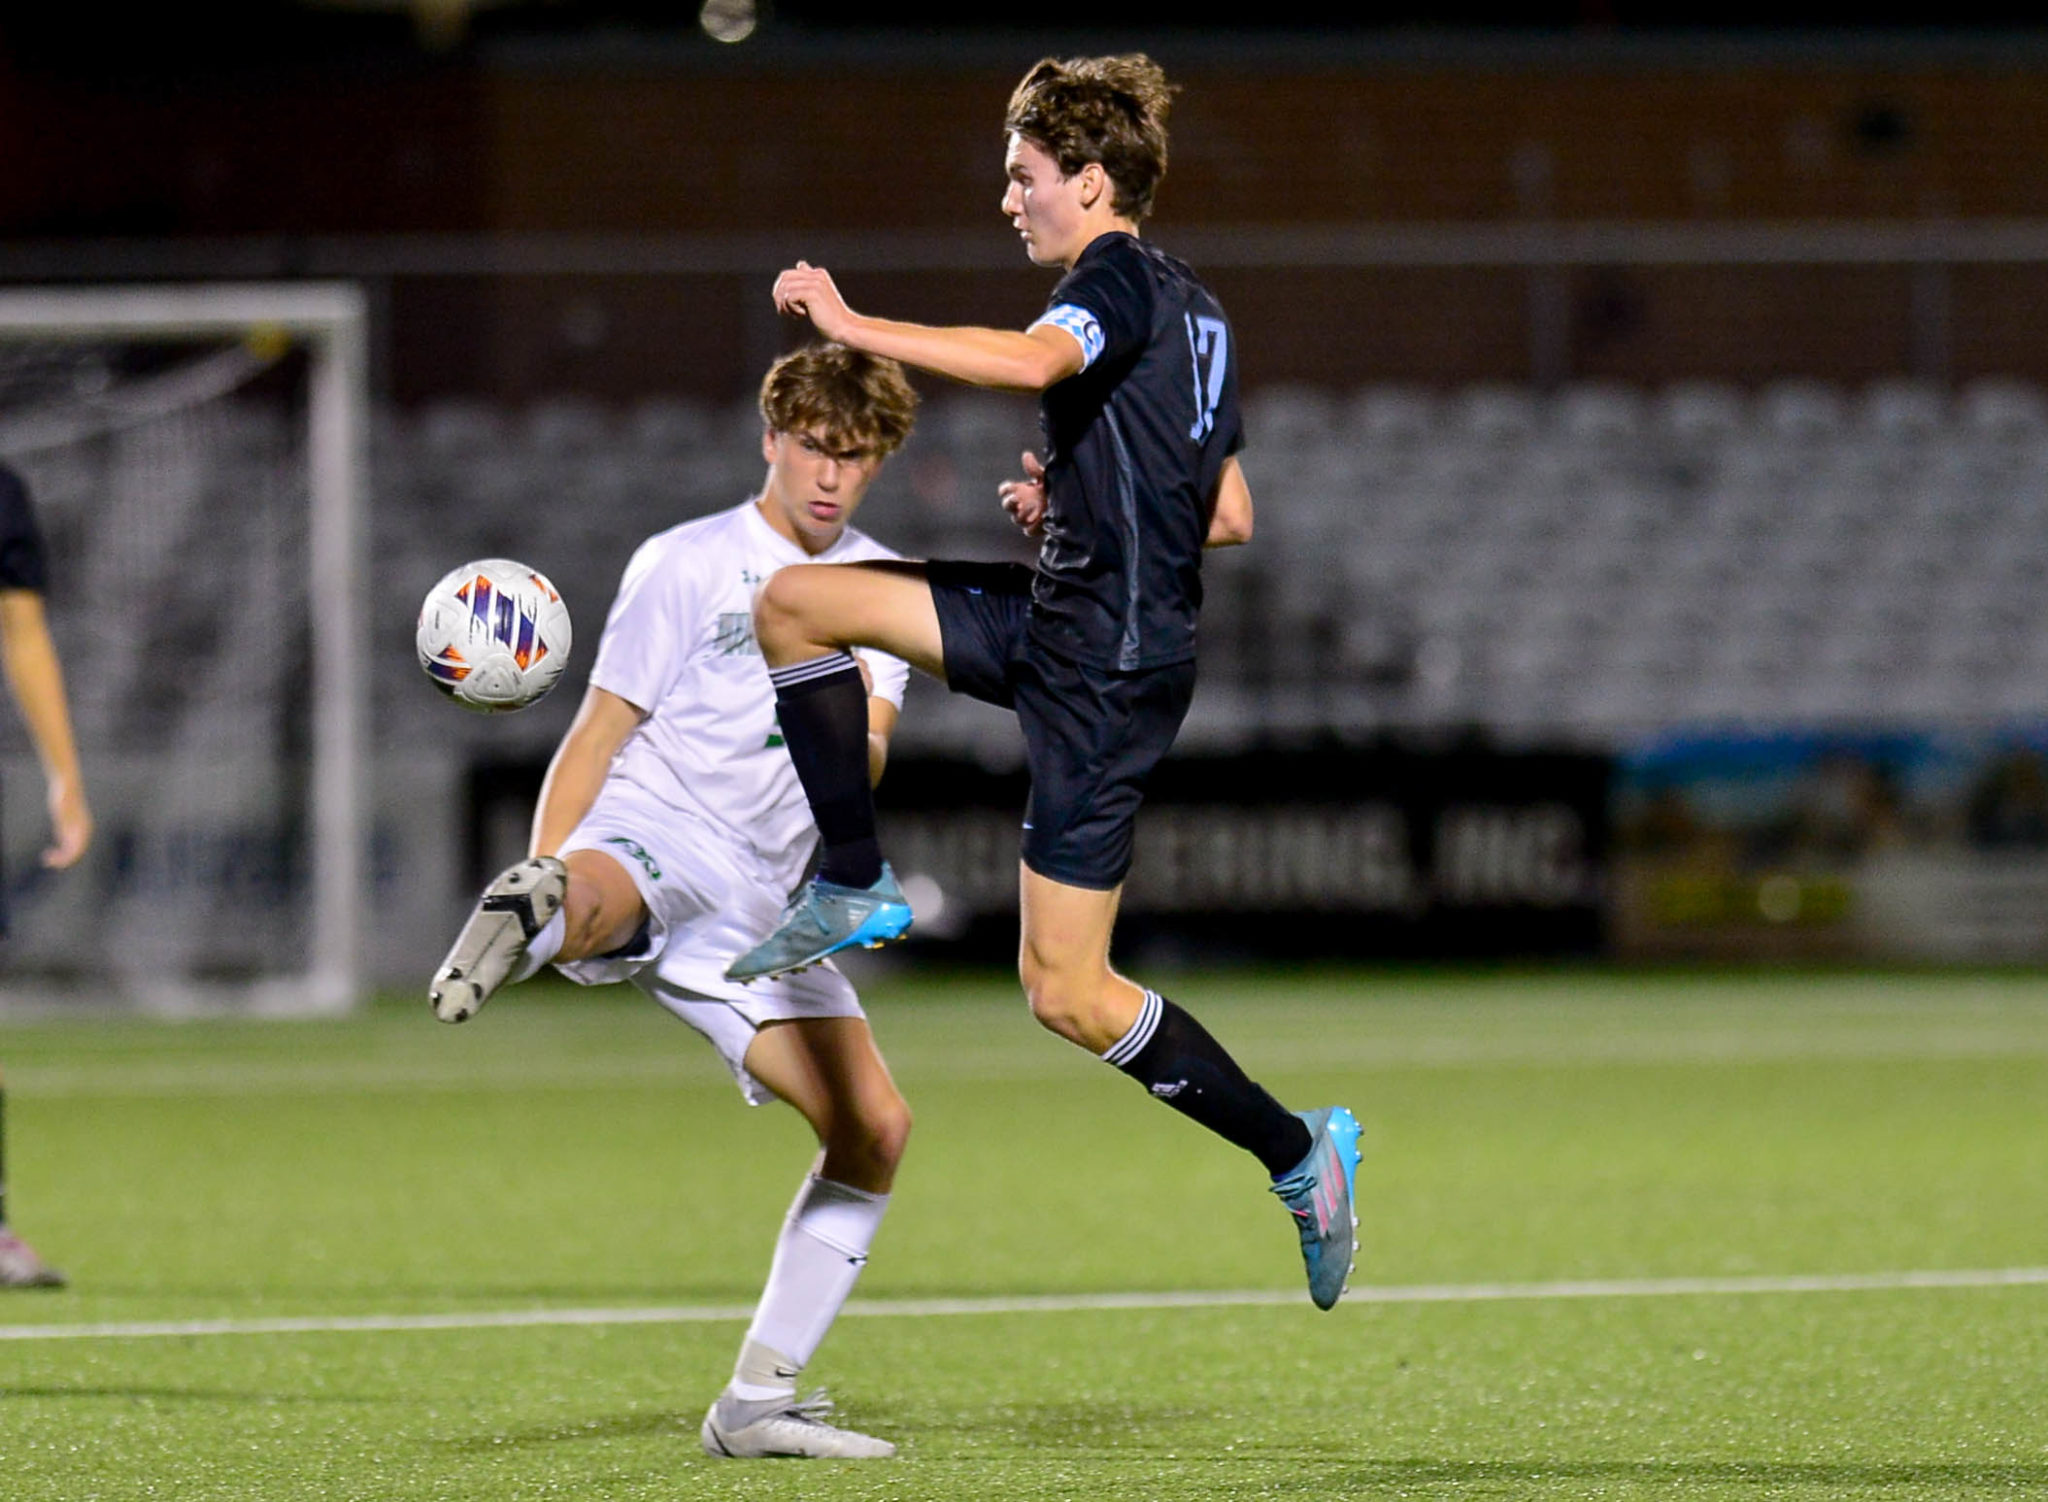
(823,919)
(1317,1193)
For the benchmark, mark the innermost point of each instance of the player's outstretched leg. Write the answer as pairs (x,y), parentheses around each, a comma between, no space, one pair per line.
(495,944)
(823,918)
(1317,1193)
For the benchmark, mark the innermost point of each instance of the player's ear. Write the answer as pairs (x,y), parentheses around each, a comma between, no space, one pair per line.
(768,444)
(1094,183)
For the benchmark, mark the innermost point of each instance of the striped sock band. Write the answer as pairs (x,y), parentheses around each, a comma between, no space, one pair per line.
(800,673)
(1129,1045)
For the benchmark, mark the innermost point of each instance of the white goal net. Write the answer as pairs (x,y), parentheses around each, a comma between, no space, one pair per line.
(195,456)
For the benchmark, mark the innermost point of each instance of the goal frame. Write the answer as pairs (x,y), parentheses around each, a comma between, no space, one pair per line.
(330,320)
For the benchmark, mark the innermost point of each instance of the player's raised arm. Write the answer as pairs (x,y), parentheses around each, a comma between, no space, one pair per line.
(1230,523)
(1006,359)
(581,762)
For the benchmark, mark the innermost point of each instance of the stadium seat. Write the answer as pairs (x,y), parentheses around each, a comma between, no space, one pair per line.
(668,425)
(1700,411)
(1800,410)
(1901,411)
(2003,410)
(1490,414)
(1599,414)
(1287,416)
(1383,415)
(567,427)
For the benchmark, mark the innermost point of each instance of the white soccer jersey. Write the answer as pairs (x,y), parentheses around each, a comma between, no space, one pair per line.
(679,644)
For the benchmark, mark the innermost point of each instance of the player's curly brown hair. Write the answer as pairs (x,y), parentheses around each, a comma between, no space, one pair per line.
(851,400)
(1110,110)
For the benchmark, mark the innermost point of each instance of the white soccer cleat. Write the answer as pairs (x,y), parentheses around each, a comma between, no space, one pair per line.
(514,908)
(796,1430)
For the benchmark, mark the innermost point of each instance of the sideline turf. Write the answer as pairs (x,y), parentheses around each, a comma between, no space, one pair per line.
(570,1149)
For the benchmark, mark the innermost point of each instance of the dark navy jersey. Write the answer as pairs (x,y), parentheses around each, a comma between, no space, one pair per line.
(22,561)
(1134,446)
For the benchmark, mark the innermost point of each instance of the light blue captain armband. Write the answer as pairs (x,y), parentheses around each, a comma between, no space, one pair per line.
(1082,324)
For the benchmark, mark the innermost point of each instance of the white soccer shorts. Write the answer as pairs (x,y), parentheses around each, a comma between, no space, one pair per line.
(707,901)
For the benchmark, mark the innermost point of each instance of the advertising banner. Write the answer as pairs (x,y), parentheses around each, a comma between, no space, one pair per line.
(1296,854)
(1901,844)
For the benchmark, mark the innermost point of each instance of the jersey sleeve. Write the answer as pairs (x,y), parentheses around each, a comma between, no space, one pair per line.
(647,631)
(24,563)
(1106,304)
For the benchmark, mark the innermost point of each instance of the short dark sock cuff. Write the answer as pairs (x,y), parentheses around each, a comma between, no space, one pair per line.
(1133,1042)
(819,673)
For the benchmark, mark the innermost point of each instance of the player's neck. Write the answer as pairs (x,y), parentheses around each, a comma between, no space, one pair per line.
(1112,225)
(780,524)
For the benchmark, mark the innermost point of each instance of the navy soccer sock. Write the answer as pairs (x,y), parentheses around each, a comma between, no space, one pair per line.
(1173,1056)
(822,706)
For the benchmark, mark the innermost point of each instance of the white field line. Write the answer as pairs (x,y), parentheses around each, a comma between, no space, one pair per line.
(113,1079)
(1414,1293)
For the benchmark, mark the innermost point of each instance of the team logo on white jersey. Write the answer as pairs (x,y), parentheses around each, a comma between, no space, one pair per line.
(639,853)
(734,635)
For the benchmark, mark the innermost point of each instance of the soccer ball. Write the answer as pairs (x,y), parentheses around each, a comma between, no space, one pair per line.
(493,635)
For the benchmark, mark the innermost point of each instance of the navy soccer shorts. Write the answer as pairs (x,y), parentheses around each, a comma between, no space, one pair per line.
(1091,736)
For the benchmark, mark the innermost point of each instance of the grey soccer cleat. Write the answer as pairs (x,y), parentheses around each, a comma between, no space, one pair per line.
(1318,1194)
(20,1267)
(514,908)
(739,1430)
(824,918)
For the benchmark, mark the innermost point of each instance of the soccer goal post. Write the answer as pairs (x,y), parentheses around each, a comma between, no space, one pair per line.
(197,455)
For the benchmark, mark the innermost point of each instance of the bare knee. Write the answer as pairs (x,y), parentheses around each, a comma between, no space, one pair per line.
(888,1133)
(1072,1003)
(781,613)
(593,920)
(583,925)
(864,1146)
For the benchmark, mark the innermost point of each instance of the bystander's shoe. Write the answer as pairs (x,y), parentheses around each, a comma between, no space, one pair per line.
(20,1267)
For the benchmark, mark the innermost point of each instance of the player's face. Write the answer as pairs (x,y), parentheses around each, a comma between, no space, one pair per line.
(813,487)
(1042,205)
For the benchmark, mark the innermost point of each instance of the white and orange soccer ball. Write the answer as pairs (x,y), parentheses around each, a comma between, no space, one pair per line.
(494,635)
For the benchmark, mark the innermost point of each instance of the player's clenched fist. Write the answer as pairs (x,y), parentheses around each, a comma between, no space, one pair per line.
(1025,499)
(806,291)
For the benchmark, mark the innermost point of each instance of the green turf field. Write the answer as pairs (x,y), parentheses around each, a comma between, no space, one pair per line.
(1582,1197)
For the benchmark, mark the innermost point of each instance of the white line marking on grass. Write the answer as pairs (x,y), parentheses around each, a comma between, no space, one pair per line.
(1059,1303)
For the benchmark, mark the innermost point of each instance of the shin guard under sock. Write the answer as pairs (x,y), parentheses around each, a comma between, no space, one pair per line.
(1173,1056)
(822,706)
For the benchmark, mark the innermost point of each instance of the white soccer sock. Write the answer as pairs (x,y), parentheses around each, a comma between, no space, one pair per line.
(541,948)
(823,1246)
